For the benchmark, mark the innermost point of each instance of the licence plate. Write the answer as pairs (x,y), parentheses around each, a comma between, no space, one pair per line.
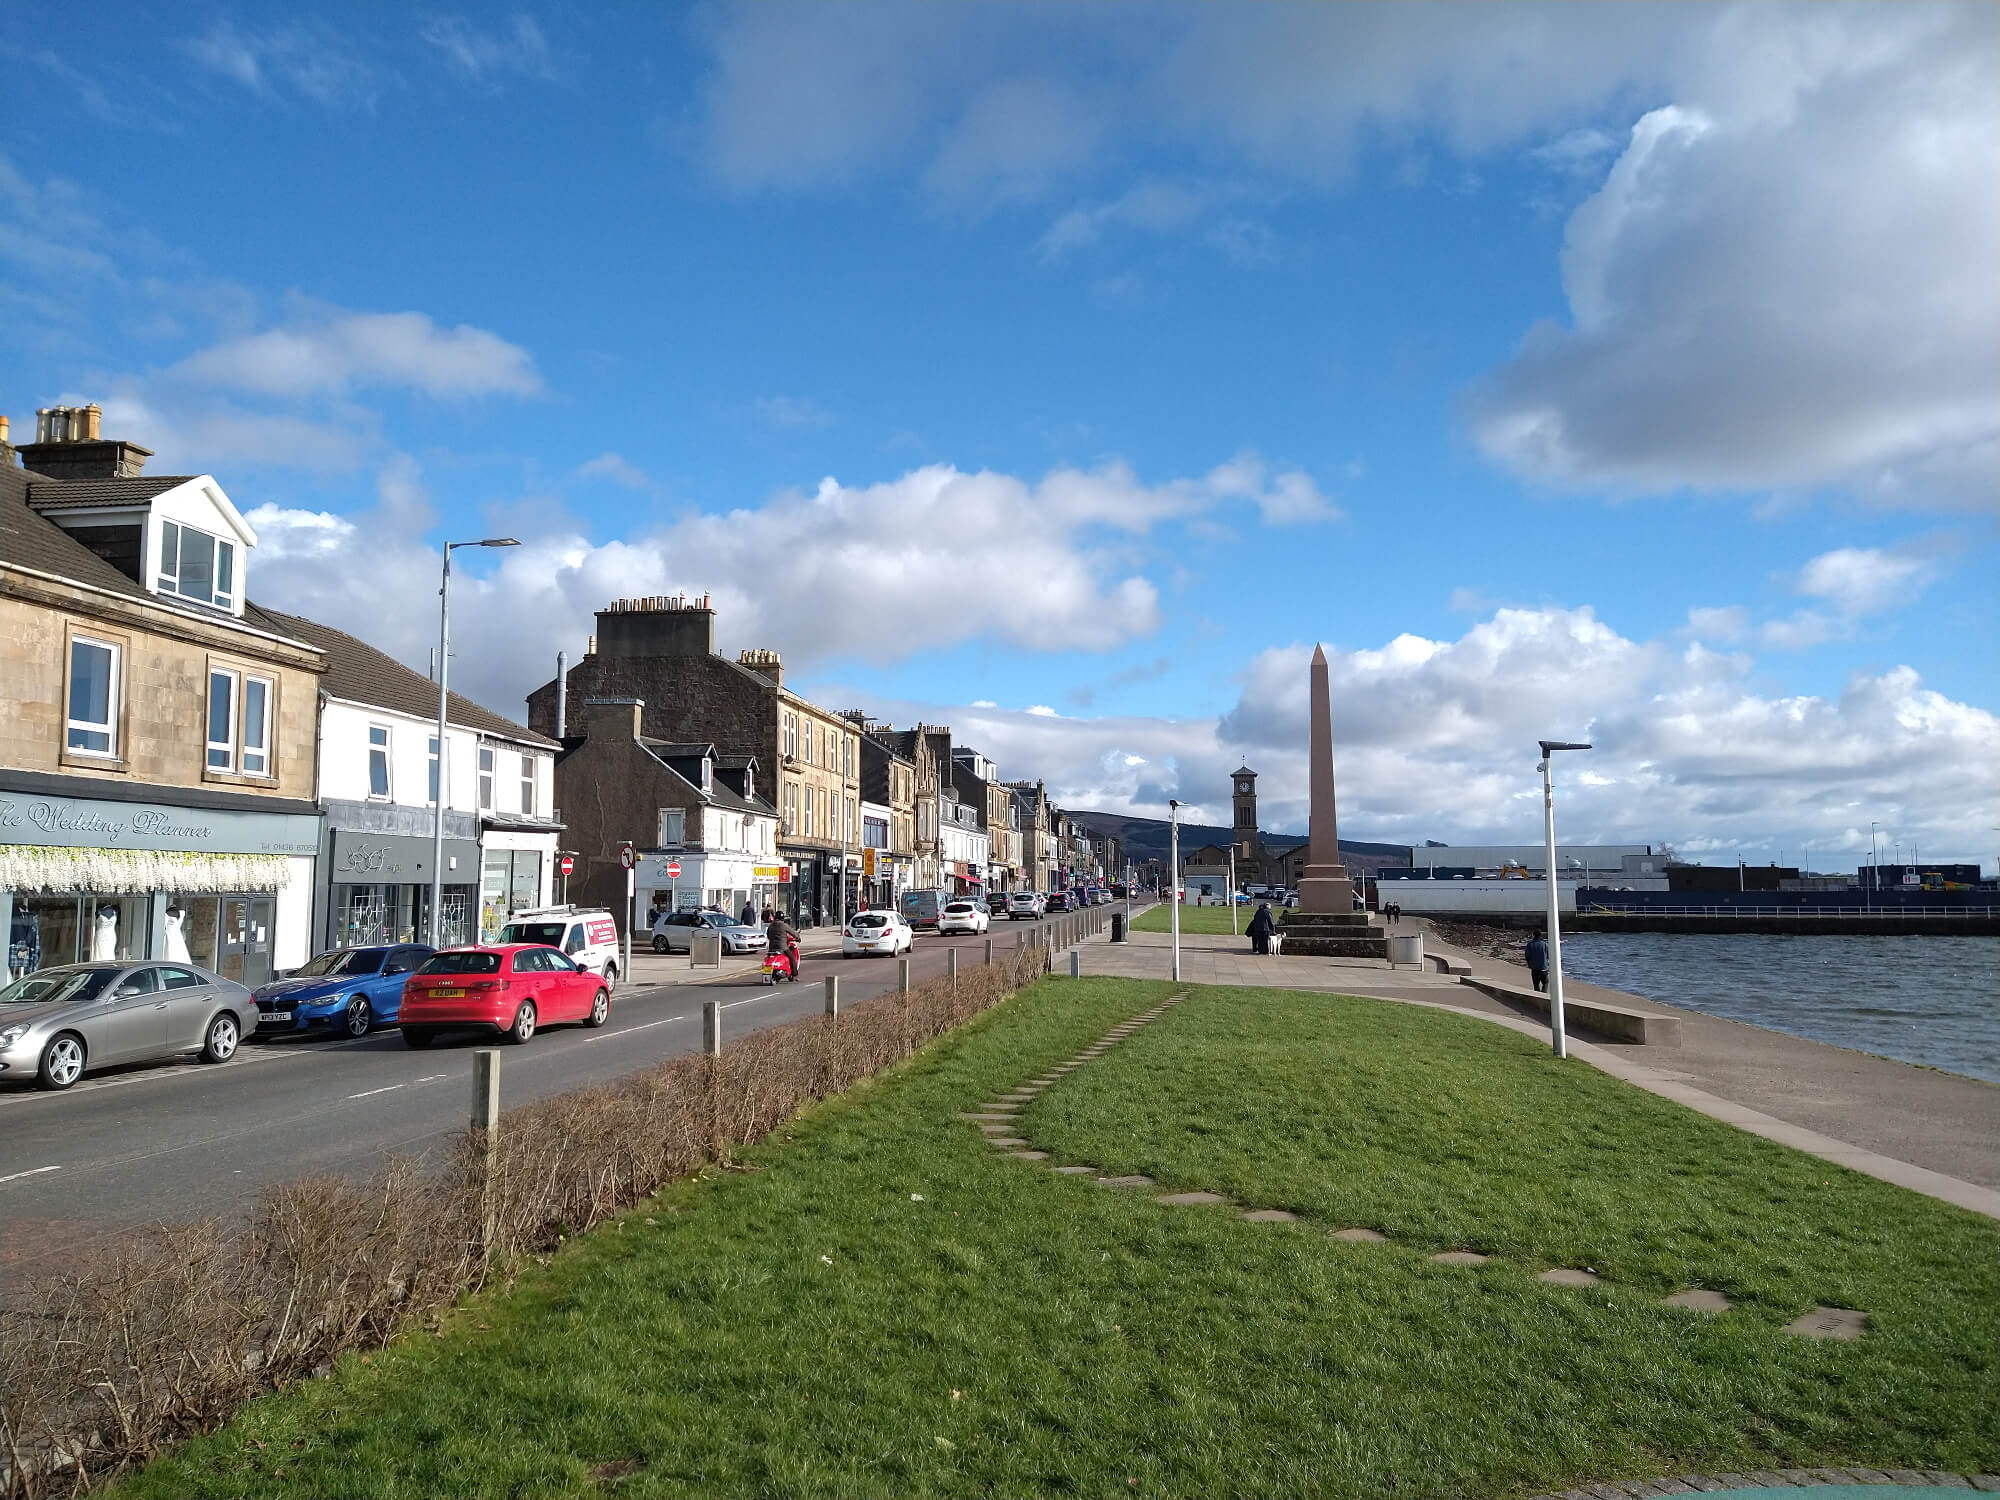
(445,994)
(274,1017)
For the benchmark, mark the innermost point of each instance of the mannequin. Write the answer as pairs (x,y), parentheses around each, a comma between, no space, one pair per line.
(104,936)
(177,943)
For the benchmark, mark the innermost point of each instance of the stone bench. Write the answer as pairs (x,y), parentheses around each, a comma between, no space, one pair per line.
(1452,966)
(1616,1021)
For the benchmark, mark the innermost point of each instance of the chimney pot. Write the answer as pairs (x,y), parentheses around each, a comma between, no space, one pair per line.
(92,415)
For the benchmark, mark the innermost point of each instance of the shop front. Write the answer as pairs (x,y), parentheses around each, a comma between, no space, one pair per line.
(723,882)
(225,884)
(802,893)
(379,889)
(517,872)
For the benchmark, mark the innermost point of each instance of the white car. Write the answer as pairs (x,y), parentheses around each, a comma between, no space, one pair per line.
(587,937)
(881,932)
(963,916)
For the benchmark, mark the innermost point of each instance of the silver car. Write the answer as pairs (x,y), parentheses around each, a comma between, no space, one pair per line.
(56,1023)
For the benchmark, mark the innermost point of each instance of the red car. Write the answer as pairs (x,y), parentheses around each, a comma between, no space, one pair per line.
(513,989)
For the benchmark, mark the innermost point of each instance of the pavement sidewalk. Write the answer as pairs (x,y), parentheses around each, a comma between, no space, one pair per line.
(1933,1132)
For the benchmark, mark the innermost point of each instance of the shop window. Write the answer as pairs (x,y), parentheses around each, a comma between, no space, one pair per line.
(197,566)
(93,697)
(525,890)
(486,778)
(221,721)
(527,786)
(378,760)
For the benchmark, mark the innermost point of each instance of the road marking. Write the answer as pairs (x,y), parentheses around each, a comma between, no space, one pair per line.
(643,1026)
(371,1093)
(433,1077)
(32,1172)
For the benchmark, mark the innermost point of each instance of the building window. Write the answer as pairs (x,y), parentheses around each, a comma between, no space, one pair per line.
(486,778)
(222,721)
(93,697)
(791,807)
(378,760)
(256,726)
(433,743)
(197,566)
(808,755)
(789,734)
(673,823)
(809,803)
(528,786)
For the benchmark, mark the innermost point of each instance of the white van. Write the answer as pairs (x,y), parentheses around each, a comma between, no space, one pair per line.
(587,937)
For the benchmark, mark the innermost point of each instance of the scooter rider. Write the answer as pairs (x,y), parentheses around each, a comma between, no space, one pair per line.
(779,938)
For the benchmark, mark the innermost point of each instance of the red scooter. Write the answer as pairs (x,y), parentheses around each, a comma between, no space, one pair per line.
(784,965)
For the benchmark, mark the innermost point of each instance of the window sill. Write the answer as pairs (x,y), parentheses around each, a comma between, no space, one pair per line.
(83,760)
(239,778)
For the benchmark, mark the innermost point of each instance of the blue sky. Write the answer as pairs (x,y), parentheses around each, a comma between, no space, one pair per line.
(1065,374)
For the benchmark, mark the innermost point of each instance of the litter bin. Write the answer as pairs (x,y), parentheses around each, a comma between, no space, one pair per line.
(1118,927)
(1406,950)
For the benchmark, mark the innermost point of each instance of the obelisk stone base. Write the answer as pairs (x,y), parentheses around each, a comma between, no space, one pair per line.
(1351,934)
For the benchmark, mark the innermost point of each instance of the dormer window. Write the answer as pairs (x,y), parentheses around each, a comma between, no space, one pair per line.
(707,774)
(749,785)
(197,566)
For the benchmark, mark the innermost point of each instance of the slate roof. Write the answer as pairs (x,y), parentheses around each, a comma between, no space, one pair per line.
(359,673)
(76,494)
(719,793)
(34,541)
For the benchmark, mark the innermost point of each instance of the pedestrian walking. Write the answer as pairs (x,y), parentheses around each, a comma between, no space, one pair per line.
(1261,927)
(748,916)
(1537,955)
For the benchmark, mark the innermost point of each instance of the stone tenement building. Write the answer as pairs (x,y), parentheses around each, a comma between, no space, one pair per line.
(661,650)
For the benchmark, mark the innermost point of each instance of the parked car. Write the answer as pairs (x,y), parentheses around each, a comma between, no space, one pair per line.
(57,1023)
(1058,901)
(1024,906)
(512,988)
(963,916)
(354,989)
(921,908)
(883,932)
(588,938)
(674,932)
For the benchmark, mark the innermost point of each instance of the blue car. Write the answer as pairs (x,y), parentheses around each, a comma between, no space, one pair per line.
(355,989)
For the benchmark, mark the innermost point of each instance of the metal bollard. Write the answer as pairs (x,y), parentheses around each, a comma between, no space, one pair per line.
(711,1028)
(902,976)
(951,964)
(832,997)
(989,950)
(1075,964)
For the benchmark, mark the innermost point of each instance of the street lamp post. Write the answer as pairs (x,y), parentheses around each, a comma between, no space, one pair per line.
(1874,865)
(1174,879)
(1557,1040)
(444,672)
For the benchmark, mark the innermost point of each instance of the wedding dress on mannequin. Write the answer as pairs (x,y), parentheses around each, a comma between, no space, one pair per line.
(104,936)
(177,943)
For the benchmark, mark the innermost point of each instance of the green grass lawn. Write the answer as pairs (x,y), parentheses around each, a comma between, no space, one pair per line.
(1205,919)
(884,1305)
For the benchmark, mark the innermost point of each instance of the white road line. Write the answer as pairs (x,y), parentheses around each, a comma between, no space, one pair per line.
(642,1026)
(371,1093)
(433,1077)
(32,1172)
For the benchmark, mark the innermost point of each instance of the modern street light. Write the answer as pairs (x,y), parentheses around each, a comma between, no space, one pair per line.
(444,671)
(1174,879)
(1556,1038)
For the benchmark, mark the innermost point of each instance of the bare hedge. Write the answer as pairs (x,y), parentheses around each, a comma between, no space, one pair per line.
(148,1341)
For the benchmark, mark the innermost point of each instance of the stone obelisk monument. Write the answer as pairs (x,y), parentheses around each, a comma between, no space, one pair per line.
(1324,889)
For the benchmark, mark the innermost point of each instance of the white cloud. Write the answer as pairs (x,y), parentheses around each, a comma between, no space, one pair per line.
(1436,739)
(1865,580)
(334,352)
(483,57)
(616,469)
(1786,281)
(1043,711)
(792,413)
(310,60)
(1155,207)
(1718,623)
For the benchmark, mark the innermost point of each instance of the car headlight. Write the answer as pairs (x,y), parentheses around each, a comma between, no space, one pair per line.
(12,1035)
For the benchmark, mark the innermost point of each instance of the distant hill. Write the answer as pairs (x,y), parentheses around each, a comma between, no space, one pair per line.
(1146,838)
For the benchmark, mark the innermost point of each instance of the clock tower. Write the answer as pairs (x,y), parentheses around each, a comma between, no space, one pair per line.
(1244,835)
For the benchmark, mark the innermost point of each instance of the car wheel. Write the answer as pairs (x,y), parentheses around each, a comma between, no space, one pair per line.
(418,1037)
(611,978)
(360,1017)
(220,1043)
(660,945)
(600,1008)
(62,1062)
(524,1023)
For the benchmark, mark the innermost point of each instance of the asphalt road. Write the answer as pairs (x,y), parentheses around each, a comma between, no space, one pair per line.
(181,1140)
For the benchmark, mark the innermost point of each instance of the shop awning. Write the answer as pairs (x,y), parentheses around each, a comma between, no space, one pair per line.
(45,867)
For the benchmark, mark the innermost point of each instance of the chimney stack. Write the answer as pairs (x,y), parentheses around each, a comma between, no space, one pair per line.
(767,662)
(69,445)
(655,625)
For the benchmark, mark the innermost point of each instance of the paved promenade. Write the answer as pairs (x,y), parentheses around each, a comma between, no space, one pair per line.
(1934,1132)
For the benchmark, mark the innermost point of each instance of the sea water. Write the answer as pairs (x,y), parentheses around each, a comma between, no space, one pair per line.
(1933,1000)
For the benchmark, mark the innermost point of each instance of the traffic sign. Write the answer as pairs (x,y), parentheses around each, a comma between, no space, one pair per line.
(567,864)
(628,856)
(673,869)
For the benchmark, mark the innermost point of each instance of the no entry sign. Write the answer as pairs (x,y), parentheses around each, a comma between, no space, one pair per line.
(673,869)
(567,864)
